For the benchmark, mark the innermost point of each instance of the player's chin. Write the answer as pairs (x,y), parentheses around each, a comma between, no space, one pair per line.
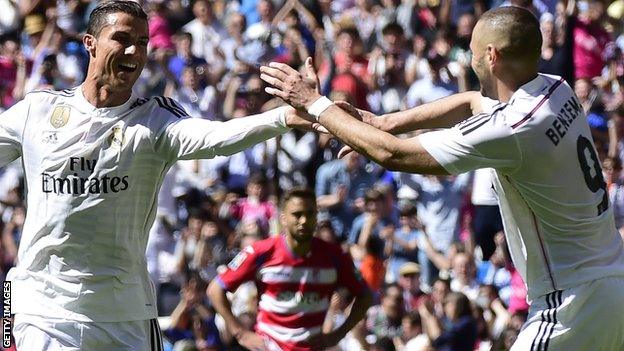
(126,78)
(303,236)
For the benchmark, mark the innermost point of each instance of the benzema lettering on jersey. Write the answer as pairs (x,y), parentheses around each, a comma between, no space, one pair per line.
(60,116)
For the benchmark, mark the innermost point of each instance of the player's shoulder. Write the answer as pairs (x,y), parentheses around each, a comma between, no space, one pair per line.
(49,95)
(266,246)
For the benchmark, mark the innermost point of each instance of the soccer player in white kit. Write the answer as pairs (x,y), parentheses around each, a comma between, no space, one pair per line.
(531,129)
(94,158)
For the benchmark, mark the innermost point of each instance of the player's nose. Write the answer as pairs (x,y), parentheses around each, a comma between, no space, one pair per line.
(130,50)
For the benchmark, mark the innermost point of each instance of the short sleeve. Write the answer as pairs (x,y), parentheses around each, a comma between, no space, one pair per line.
(348,277)
(481,141)
(12,124)
(242,268)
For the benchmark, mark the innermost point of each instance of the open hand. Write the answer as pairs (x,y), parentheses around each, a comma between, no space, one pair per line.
(297,90)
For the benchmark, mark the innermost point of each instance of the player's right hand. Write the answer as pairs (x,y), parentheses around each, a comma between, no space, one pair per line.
(251,341)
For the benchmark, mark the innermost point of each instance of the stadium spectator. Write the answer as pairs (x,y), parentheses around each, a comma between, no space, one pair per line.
(460,334)
(385,318)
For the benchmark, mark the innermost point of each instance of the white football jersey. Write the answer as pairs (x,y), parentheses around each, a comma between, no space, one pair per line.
(552,194)
(93,176)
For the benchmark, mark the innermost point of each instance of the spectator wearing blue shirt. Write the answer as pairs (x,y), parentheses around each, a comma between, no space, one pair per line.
(439,203)
(402,245)
(372,226)
(340,189)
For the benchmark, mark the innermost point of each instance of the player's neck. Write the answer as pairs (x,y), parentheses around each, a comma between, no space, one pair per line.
(101,95)
(506,89)
(300,249)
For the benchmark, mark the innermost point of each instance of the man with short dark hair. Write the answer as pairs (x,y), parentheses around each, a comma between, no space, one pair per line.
(531,129)
(296,274)
(94,158)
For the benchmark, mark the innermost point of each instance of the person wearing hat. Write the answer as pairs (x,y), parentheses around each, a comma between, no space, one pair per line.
(409,280)
(402,244)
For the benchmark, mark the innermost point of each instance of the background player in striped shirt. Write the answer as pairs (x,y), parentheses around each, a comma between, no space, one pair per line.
(530,128)
(296,274)
(94,159)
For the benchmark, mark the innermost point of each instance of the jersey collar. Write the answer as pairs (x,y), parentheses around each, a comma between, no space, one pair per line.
(531,88)
(113,111)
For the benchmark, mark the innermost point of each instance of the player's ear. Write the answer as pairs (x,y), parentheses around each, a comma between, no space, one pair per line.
(491,55)
(89,42)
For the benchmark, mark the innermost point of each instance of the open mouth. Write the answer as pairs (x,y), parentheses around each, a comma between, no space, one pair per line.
(127,67)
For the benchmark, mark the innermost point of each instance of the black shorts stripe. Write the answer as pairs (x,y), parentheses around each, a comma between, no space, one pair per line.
(549,320)
(159,341)
(559,302)
(539,334)
(152,336)
(535,345)
(169,102)
(548,323)
(162,104)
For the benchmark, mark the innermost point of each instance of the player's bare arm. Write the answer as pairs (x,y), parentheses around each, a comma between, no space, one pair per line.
(245,338)
(359,306)
(393,153)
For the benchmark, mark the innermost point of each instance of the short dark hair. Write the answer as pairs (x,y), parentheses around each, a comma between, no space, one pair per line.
(393,28)
(373,195)
(300,193)
(97,18)
(462,304)
(258,178)
(408,210)
(522,29)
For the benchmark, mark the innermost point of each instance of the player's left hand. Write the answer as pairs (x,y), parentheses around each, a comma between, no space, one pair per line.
(300,91)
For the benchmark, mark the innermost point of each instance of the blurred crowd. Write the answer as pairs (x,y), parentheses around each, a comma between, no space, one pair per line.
(432,248)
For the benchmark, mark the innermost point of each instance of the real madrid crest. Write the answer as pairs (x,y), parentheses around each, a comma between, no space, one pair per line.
(60,116)
(116,138)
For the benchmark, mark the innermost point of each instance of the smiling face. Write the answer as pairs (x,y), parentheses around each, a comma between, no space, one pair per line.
(119,52)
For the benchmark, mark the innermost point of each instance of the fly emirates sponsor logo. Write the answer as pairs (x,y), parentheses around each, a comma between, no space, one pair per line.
(76,184)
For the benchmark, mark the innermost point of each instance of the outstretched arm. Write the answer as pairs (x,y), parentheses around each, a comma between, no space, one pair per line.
(191,138)
(406,155)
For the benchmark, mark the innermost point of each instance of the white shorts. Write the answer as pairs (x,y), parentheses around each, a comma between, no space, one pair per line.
(36,333)
(587,317)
